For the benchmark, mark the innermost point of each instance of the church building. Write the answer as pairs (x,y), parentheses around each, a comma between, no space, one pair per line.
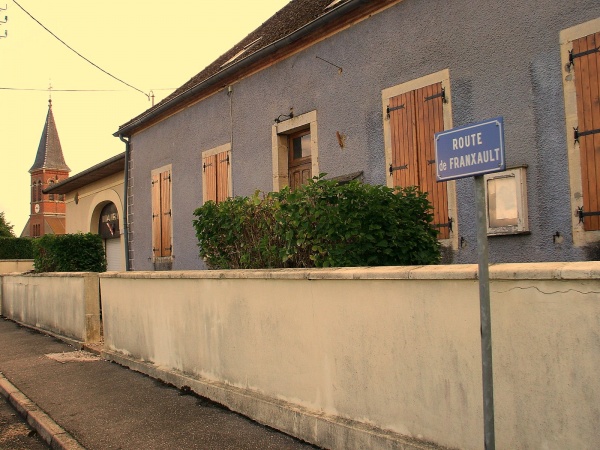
(47,211)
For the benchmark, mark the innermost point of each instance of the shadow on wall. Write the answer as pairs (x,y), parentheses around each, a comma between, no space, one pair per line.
(592,251)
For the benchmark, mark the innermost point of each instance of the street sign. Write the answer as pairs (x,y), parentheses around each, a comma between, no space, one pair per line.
(470,150)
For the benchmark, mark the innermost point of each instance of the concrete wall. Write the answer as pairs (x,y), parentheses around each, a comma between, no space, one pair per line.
(372,358)
(503,59)
(66,304)
(15,265)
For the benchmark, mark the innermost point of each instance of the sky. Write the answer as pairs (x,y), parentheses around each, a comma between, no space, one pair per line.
(151,45)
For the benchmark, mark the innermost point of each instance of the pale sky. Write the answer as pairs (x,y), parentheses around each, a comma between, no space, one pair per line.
(152,45)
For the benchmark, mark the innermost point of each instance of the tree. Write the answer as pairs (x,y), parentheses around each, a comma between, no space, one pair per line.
(6,229)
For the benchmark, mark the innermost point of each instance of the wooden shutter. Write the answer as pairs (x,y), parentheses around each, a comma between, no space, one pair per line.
(165,200)
(222,172)
(209,168)
(586,62)
(156,216)
(415,117)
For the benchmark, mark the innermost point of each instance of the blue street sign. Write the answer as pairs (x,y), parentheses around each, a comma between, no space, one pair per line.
(470,150)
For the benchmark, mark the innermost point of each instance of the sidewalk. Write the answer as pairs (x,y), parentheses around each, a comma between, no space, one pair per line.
(88,402)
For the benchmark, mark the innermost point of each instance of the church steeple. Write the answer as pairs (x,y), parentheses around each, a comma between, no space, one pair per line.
(47,211)
(49,154)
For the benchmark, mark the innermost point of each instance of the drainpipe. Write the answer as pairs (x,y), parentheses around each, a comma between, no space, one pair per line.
(125,201)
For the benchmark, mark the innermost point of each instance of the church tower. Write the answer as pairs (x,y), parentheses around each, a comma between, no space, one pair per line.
(47,213)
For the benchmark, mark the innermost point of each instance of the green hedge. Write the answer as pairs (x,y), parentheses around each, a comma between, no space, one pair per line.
(320,224)
(69,253)
(16,248)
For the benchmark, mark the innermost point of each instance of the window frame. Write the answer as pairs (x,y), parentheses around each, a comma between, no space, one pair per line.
(212,152)
(280,134)
(581,237)
(387,94)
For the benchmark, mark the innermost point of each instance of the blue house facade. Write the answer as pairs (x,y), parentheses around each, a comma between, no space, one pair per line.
(359,88)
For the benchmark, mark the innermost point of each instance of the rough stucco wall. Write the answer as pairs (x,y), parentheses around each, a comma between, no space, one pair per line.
(503,59)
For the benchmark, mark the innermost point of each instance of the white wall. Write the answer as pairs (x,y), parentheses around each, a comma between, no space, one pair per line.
(66,304)
(15,265)
(358,358)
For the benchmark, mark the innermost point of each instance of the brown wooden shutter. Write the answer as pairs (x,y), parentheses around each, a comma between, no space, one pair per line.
(165,194)
(209,167)
(222,172)
(404,168)
(414,119)
(430,121)
(156,216)
(587,84)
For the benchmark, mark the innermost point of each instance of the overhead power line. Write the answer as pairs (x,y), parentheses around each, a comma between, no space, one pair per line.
(73,90)
(79,54)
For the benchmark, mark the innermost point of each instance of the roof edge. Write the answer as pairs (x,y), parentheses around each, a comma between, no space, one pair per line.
(339,11)
(57,187)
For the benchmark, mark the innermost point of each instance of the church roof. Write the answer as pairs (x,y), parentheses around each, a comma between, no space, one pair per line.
(49,154)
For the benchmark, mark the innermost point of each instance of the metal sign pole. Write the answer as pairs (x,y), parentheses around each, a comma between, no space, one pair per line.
(484,307)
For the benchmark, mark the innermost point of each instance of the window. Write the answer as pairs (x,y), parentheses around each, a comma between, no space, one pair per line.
(39,191)
(413,112)
(295,151)
(580,53)
(161,213)
(299,158)
(50,184)
(216,174)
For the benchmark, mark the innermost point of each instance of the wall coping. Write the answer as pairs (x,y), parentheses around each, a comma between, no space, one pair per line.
(508,271)
(16,260)
(54,274)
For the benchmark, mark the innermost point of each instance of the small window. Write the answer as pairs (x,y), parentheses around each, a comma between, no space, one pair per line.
(295,151)
(50,184)
(299,160)
(39,191)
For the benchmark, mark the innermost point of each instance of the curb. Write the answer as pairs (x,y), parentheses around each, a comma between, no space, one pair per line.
(41,422)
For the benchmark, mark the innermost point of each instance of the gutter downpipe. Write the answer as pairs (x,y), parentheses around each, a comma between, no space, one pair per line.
(260,54)
(125,202)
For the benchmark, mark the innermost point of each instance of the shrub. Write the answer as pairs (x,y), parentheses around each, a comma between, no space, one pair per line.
(69,253)
(320,224)
(16,248)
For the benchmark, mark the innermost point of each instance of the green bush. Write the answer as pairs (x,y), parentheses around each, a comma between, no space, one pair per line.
(16,248)
(320,224)
(69,253)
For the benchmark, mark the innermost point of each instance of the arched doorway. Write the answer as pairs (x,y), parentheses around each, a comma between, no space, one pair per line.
(108,228)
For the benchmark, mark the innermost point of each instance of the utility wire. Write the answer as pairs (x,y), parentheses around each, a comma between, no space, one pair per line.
(79,54)
(73,90)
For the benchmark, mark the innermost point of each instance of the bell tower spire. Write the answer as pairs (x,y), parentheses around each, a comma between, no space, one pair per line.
(47,212)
